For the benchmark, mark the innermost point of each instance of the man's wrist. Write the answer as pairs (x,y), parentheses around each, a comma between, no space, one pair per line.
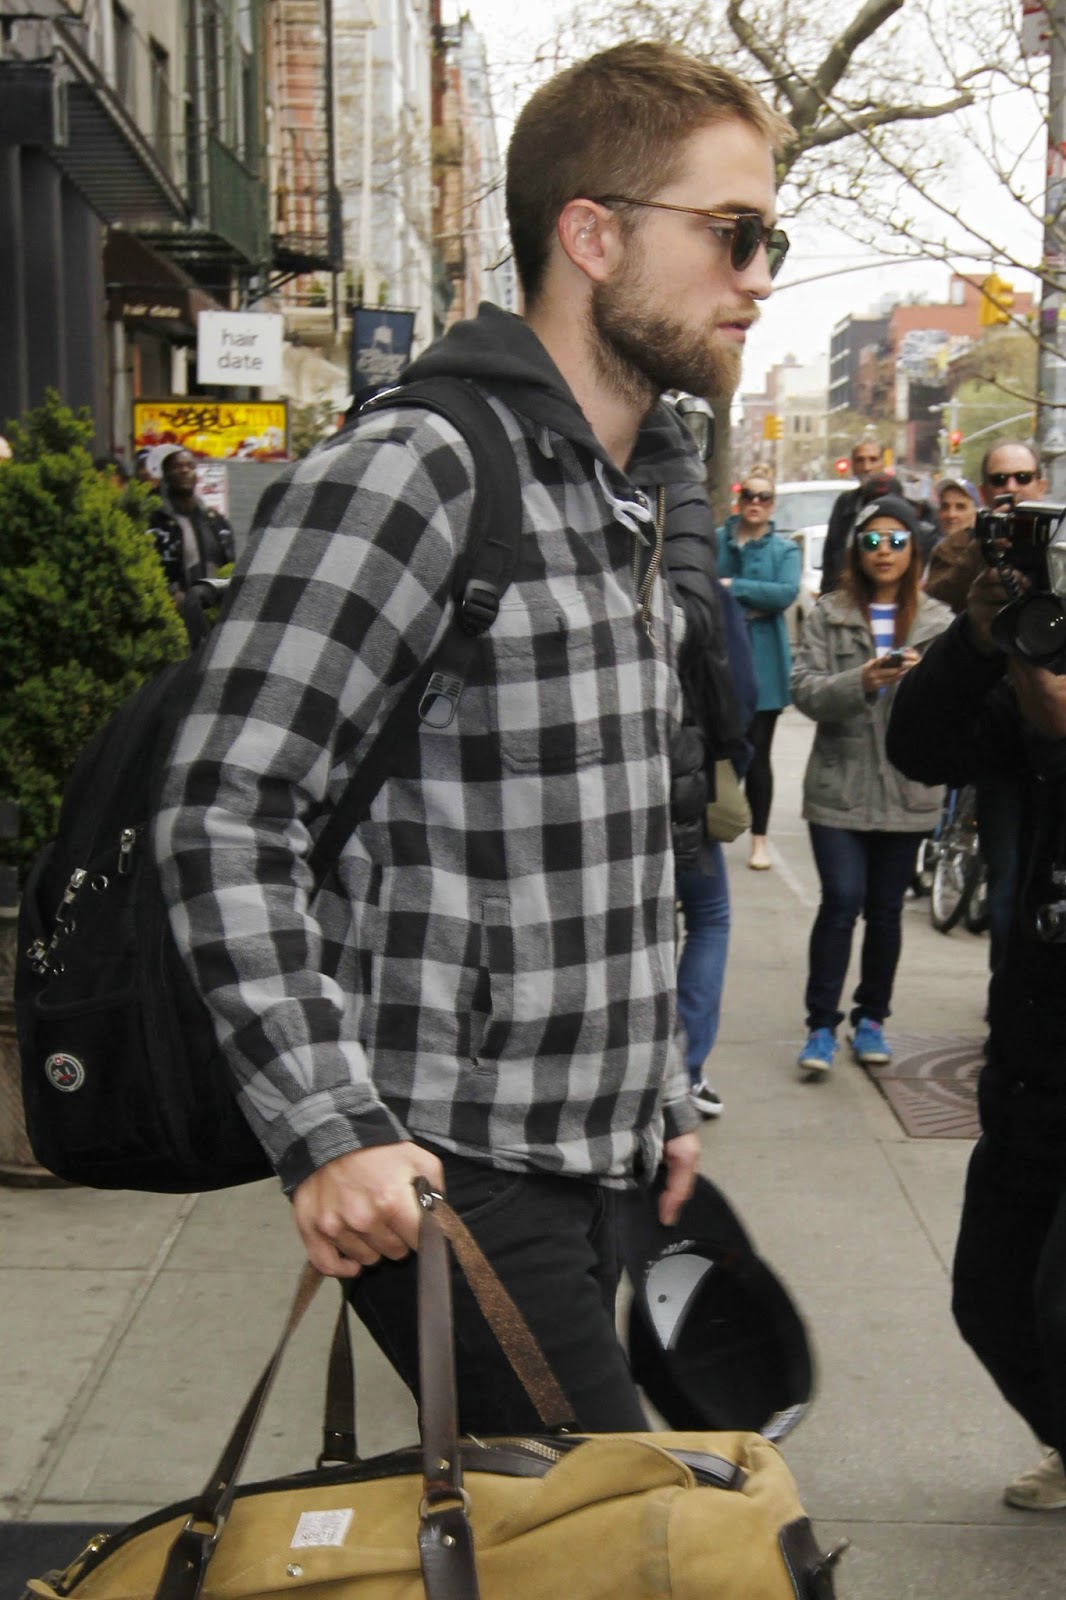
(971,636)
(679,1116)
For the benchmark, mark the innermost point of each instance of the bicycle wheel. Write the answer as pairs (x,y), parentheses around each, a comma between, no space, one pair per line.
(954,879)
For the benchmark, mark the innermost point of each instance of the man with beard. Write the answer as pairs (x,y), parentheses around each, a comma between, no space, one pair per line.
(482,994)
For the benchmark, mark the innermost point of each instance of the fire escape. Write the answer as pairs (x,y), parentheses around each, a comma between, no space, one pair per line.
(306,220)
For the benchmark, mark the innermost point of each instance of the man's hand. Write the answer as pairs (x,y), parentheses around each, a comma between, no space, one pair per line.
(986,599)
(1041,697)
(363,1206)
(681,1158)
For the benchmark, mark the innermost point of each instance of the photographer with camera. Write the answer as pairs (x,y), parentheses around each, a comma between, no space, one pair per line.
(988,701)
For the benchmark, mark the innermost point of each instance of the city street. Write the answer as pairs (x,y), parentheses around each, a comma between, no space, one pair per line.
(134,1325)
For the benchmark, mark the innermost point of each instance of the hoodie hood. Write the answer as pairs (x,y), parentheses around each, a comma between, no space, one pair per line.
(502,354)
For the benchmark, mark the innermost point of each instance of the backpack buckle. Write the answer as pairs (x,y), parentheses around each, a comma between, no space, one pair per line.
(479,607)
(440,699)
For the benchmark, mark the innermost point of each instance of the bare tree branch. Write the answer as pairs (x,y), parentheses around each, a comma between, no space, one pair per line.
(773,65)
(840,54)
(841,128)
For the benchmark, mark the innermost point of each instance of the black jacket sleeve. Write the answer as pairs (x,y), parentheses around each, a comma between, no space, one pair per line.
(954,716)
(836,538)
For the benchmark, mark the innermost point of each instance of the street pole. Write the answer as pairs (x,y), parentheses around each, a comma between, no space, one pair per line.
(1051,371)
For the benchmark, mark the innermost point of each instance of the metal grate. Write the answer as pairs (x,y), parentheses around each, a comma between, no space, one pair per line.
(931,1085)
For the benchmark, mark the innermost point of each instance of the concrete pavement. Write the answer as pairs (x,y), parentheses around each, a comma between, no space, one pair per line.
(132,1326)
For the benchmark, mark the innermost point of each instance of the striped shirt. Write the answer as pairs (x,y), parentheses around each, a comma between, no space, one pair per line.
(883,627)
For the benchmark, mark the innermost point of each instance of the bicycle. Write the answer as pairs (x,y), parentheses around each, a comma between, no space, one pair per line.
(953,866)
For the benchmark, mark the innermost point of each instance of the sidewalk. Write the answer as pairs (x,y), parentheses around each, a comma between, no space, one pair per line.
(133,1326)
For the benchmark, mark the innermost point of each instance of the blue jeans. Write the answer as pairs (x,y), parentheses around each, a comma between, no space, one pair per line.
(700,973)
(867,872)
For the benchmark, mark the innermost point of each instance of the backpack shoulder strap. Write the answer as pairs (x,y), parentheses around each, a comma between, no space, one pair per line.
(483,571)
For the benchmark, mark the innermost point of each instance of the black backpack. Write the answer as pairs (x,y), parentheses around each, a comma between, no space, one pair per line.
(123,1084)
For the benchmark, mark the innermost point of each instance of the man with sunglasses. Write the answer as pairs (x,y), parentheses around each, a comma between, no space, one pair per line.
(482,994)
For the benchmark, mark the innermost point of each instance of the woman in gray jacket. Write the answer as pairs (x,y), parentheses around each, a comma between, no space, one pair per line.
(865,817)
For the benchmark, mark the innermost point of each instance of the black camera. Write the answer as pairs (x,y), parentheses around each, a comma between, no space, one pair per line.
(1030,539)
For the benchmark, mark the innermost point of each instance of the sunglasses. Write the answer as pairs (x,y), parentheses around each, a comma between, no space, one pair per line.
(745,230)
(897,540)
(1000,480)
(761,497)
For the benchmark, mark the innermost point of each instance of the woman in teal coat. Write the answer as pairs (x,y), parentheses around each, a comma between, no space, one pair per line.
(763,571)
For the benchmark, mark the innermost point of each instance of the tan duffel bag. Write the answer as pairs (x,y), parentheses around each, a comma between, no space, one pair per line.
(666,1516)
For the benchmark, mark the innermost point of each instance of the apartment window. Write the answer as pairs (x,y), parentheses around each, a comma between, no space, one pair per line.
(160,65)
(122,37)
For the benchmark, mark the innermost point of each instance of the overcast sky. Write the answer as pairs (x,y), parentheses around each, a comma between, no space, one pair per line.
(796,320)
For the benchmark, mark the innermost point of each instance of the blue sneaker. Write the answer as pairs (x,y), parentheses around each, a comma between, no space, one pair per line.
(868,1044)
(817,1054)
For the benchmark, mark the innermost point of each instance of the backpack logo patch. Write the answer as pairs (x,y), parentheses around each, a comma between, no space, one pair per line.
(64,1072)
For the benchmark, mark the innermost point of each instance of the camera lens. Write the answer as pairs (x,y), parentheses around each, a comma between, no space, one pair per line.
(1040,627)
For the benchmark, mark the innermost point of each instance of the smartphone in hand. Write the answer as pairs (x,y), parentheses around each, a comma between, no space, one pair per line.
(894,658)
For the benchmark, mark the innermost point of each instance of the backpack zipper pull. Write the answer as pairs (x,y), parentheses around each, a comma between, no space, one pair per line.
(126,843)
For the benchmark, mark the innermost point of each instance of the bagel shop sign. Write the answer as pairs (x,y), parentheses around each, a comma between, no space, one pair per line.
(239,430)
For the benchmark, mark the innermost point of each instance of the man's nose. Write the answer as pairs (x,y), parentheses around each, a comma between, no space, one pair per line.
(755,278)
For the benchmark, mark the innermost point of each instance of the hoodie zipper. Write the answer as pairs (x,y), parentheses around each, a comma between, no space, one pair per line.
(644,590)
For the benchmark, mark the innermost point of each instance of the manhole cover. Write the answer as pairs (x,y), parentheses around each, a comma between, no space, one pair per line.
(931,1085)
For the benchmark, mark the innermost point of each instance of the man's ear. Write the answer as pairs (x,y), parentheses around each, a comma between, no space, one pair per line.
(589,236)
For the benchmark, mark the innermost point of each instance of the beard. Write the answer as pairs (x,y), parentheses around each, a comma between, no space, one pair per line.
(641,353)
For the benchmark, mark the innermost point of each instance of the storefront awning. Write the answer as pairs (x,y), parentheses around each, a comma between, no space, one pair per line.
(145,288)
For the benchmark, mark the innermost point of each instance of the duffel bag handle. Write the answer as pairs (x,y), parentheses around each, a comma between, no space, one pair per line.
(445,1539)
(189,1555)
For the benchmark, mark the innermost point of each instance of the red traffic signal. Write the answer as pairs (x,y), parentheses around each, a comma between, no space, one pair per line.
(843,465)
(954,439)
(734,489)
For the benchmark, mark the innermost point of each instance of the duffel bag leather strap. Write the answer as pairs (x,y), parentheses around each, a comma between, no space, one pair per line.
(189,1555)
(339,1421)
(445,1538)
(446,1544)
(500,1312)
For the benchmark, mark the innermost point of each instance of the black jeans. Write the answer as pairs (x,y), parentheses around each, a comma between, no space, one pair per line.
(553,1244)
(759,778)
(1009,1282)
(999,807)
(867,872)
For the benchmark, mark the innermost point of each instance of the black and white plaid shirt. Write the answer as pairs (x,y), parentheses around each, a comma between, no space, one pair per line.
(491,966)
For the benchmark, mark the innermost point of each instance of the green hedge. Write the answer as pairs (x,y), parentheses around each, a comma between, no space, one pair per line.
(85,616)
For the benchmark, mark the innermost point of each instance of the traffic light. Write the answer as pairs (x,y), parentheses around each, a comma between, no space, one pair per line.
(997,298)
(843,466)
(954,439)
(772,427)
